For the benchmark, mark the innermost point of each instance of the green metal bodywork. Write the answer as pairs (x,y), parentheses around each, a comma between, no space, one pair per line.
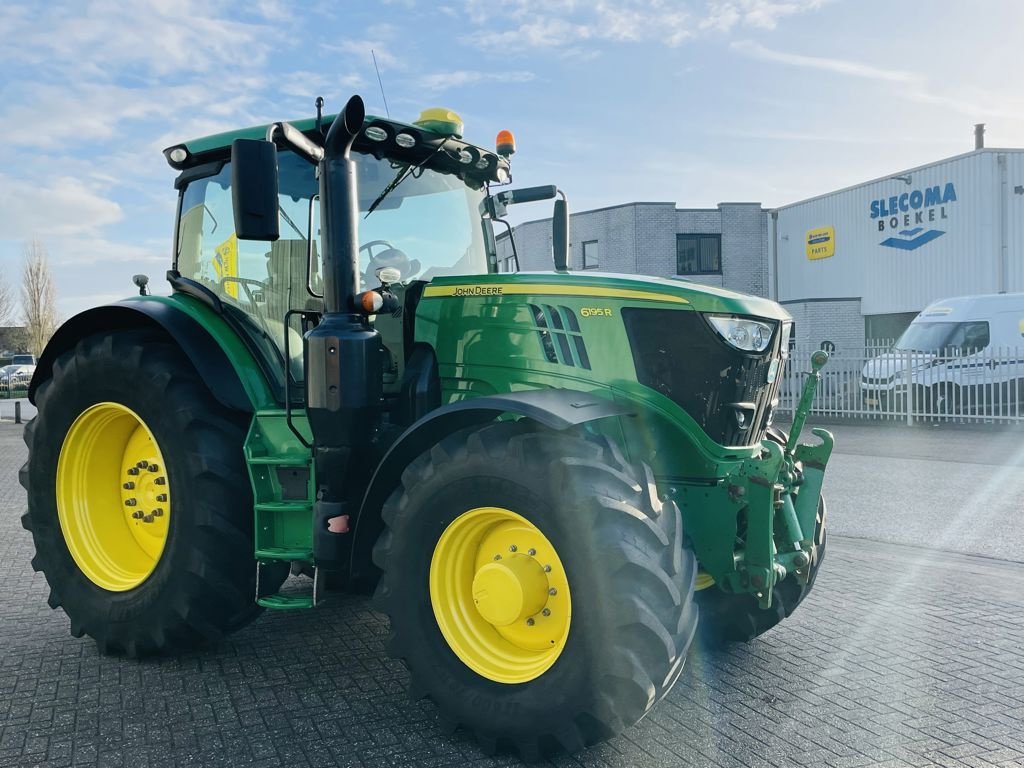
(749,510)
(487,342)
(483,332)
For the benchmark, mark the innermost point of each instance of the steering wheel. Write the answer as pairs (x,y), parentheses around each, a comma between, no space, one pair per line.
(388,256)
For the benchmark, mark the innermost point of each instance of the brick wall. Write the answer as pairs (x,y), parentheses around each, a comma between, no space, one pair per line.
(840,322)
(640,238)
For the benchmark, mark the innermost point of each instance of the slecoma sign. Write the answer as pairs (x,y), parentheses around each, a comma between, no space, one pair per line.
(907,214)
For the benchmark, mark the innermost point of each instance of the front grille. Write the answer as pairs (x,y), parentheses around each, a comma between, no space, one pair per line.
(678,354)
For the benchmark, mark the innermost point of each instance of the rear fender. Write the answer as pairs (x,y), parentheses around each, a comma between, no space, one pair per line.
(229,372)
(557,409)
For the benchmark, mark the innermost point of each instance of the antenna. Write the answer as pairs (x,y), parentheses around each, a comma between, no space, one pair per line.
(380,83)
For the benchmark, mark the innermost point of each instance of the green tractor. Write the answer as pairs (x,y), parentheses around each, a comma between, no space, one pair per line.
(543,476)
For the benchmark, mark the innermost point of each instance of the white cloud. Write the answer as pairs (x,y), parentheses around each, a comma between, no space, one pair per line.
(723,15)
(59,207)
(559,23)
(100,250)
(839,66)
(362,52)
(440,81)
(155,37)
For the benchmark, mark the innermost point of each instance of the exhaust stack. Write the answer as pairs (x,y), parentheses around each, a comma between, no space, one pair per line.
(979,136)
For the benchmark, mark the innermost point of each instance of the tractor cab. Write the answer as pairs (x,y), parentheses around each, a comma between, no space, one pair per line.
(422,208)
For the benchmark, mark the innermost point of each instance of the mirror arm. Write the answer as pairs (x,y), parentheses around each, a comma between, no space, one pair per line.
(309,149)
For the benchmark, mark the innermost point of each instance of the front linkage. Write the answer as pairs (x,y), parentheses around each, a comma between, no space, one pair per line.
(778,491)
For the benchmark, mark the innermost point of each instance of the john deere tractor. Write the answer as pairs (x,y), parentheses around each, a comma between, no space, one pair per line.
(543,476)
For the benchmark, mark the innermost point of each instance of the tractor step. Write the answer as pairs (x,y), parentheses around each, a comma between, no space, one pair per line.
(290,601)
(282,460)
(287,602)
(287,554)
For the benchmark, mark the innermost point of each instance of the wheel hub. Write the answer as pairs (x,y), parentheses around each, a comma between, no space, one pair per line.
(510,590)
(500,595)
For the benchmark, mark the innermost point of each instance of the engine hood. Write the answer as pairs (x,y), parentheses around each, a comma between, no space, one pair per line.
(600,285)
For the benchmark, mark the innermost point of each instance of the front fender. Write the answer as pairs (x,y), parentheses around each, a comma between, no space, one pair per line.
(219,357)
(556,409)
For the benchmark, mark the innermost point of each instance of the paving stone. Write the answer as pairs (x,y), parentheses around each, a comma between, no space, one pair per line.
(900,657)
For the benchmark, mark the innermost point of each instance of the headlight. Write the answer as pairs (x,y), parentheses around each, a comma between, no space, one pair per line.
(742,333)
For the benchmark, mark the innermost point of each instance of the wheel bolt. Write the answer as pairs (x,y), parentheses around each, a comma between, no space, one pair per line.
(158,512)
(147,519)
(552,591)
(130,502)
(531,552)
(142,464)
(547,569)
(546,611)
(137,515)
(530,622)
(161,497)
(161,480)
(513,548)
(129,486)
(133,470)
(497,557)
(154,467)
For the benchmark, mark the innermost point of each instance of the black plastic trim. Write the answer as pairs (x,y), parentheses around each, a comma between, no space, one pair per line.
(205,354)
(557,409)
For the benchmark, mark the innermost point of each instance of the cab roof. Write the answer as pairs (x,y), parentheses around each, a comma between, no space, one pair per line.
(440,151)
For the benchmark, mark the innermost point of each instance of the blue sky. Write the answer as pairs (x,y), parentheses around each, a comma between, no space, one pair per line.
(694,102)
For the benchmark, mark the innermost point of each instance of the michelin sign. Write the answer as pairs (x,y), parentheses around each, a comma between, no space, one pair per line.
(910,218)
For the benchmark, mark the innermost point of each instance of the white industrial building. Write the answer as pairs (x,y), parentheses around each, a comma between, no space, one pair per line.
(852,266)
(869,257)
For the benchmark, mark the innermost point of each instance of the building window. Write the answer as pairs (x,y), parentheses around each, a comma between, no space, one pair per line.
(698,254)
(591,254)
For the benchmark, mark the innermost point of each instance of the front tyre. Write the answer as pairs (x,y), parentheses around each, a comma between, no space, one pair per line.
(138,500)
(538,591)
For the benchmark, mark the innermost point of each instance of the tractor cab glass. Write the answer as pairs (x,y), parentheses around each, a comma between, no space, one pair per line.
(429,225)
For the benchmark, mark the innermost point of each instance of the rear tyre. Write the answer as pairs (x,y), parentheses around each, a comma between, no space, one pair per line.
(527,658)
(138,499)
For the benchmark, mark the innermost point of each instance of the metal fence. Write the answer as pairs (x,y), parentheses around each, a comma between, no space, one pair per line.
(883,384)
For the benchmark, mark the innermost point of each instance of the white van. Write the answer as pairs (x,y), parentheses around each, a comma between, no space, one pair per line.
(966,354)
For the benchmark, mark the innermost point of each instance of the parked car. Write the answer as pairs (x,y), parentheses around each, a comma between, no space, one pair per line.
(964,353)
(16,377)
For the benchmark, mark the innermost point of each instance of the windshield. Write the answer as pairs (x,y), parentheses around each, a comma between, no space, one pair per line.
(935,337)
(429,225)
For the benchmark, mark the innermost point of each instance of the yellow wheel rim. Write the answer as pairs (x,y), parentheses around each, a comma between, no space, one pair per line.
(500,595)
(113,499)
(704,581)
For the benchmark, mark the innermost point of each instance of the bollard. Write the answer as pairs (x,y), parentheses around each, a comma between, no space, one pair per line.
(17,411)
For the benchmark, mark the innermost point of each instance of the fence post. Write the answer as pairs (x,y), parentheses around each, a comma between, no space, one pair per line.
(17,411)
(907,376)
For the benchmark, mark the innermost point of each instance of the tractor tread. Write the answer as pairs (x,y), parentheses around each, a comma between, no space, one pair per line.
(207,588)
(648,573)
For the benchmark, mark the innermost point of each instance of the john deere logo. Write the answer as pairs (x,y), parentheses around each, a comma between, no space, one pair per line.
(821,243)
(907,215)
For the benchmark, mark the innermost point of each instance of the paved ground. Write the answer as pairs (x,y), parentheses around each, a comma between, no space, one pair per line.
(7,409)
(901,657)
(943,487)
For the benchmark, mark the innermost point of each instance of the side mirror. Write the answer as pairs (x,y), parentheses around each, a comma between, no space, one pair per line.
(254,186)
(560,235)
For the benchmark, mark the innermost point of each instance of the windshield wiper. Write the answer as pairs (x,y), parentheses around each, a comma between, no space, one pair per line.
(403,174)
